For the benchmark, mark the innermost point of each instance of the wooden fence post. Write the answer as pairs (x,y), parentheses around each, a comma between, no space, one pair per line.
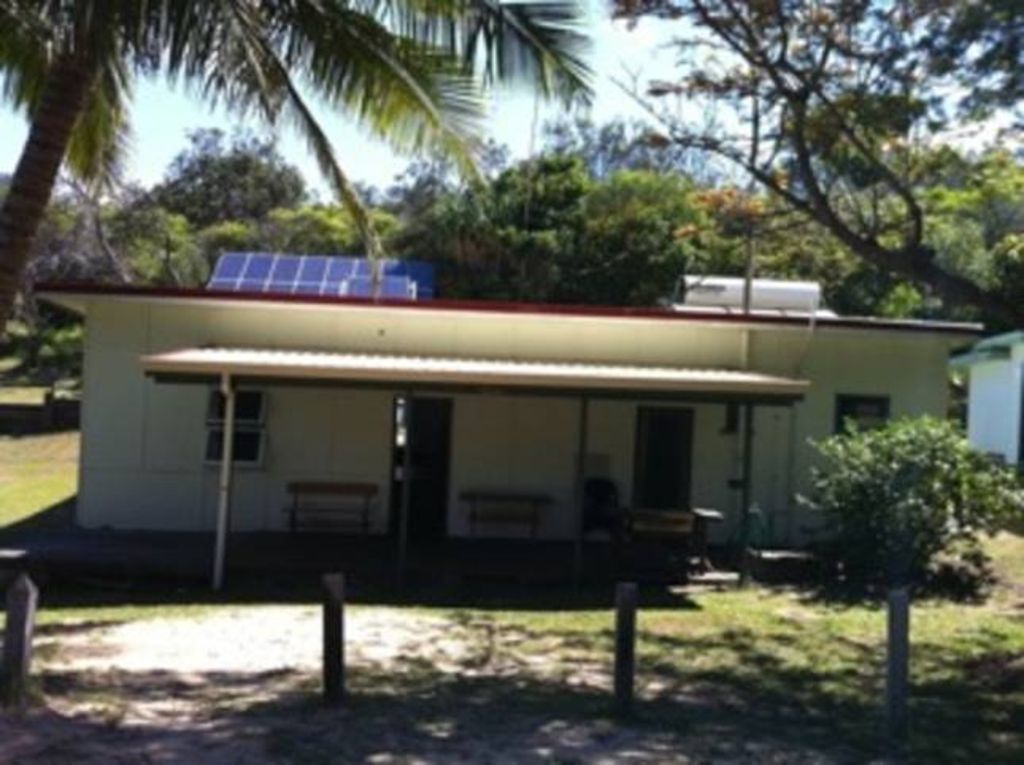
(22,599)
(897,677)
(625,646)
(334,638)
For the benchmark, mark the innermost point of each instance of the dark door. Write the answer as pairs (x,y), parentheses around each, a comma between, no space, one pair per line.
(430,421)
(664,450)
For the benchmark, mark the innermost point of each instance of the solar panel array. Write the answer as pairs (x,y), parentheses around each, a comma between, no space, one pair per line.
(339,275)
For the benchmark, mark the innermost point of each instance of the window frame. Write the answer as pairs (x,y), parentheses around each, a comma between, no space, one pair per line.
(214,407)
(847,400)
(214,428)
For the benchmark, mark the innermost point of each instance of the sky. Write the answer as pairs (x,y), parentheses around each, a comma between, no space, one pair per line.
(161,117)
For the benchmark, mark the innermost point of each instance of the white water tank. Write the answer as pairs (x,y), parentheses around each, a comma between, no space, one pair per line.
(765,294)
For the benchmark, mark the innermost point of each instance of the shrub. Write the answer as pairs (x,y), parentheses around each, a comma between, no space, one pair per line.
(908,503)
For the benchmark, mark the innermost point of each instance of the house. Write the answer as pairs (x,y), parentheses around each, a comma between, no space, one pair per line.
(508,410)
(995,404)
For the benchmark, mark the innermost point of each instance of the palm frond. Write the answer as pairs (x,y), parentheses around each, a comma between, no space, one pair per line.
(24,53)
(540,43)
(403,90)
(255,63)
(102,135)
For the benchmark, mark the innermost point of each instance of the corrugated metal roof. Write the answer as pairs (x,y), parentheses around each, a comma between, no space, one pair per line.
(418,370)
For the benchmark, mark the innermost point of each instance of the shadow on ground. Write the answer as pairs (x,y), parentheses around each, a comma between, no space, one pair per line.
(755,702)
(88,593)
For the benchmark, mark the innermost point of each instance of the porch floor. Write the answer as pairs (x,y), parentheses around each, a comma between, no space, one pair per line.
(188,555)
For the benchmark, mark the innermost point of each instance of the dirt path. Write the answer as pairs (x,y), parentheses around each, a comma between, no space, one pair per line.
(240,686)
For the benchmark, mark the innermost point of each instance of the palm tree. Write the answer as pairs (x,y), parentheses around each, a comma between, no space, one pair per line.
(411,71)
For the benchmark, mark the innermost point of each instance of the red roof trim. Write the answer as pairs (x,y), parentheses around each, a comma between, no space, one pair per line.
(497,306)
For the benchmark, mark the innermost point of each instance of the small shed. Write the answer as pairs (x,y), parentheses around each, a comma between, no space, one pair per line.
(995,404)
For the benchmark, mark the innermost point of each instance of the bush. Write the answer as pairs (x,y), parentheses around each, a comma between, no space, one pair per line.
(908,503)
(60,351)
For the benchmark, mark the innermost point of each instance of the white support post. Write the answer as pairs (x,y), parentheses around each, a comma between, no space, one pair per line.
(227,459)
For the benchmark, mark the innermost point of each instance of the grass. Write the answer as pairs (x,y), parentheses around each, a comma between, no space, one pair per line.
(36,473)
(720,670)
(1007,552)
(775,672)
(802,670)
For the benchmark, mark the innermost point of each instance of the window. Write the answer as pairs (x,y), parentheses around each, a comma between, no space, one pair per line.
(249,439)
(866,412)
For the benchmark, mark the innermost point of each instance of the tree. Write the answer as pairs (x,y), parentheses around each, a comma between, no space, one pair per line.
(501,240)
(535,209)
(404,70)
(211,182)
(979,43)
(317,229)
(617,145)
(640,232)
(156,246)
(830,107)
(546,230)
(453,231)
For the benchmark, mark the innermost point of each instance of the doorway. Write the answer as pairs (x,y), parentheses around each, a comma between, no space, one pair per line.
(663,458)
(424,425)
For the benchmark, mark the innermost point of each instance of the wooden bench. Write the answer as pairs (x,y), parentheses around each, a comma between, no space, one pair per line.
(323,505)
(505,507)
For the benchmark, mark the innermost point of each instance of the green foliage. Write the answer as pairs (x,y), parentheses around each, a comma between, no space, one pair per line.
(228,236)
(836,110)
(213,181)
(156,245)
(547,230)
(976,214)
(46,352)
(536,210)
(60,351)
(413,74)
(979,43)
(907,499)
(637,237)
(323,229)
(568,226)
(317,229)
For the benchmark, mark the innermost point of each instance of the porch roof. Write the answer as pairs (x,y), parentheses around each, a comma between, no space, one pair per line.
(206,364)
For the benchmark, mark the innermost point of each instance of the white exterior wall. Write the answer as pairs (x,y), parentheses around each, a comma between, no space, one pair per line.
(994,407)
(143,442)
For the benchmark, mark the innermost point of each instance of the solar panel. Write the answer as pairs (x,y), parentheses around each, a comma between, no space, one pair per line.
(230,266)
(257,268)
(320,275)
(396,287)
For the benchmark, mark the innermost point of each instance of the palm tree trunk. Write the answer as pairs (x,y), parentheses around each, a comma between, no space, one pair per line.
(53,120)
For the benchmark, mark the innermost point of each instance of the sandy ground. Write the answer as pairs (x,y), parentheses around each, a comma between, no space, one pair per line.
(239,686)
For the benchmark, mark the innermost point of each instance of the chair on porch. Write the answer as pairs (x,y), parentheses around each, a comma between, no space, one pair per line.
(602,510)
